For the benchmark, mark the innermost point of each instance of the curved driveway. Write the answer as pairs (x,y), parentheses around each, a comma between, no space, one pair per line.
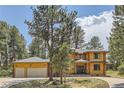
(6,82)
(113,82)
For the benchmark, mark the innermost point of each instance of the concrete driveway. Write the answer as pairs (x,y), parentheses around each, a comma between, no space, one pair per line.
(113,82)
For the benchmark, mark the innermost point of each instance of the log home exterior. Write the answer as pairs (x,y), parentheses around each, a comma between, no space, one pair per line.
(92,62)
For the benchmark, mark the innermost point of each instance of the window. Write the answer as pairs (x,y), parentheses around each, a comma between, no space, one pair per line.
(96,67)
(81,56)
(78,57)
(84,56)
(96,55)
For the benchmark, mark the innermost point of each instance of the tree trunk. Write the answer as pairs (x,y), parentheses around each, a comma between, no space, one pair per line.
(6,55)
(0,59)
(38,48)
(76,45)
(50,72)
(61,77)
(51,52)
(14,55)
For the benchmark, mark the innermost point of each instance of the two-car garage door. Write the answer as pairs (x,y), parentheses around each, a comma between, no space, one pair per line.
(37,72)
(30,72)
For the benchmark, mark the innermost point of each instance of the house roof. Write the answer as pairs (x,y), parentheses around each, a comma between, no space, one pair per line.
(84,51)
(32,59)
(81,60)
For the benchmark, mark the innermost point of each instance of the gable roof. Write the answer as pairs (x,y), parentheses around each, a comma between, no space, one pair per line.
(84,51)
(32,59)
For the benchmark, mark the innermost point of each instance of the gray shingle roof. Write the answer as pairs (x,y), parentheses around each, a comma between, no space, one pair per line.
(83,51)
(32,59)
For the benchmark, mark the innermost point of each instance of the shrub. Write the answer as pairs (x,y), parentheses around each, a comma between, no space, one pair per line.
(6,72)
(121,69)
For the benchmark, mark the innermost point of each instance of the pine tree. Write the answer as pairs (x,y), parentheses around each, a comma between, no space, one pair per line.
(116,40)
(4,29)
(12,44)
(56,27)
(78,37)
(17,44)
(61,60)
(2,43)
(94,43)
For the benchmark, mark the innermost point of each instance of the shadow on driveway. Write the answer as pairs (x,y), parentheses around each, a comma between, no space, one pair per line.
(120,85)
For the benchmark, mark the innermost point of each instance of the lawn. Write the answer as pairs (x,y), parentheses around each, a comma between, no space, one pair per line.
(70,83)
(114,74)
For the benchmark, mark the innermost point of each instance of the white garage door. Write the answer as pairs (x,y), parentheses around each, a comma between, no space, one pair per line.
(37,72)
(19,72)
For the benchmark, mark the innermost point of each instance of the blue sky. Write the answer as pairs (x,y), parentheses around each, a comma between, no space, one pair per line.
(16,15)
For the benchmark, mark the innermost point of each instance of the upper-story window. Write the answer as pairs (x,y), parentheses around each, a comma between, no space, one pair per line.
(81,56)
(96,55)
(84,56)
(78,56)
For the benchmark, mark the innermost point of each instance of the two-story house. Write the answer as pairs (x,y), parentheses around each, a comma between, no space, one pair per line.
(92,62)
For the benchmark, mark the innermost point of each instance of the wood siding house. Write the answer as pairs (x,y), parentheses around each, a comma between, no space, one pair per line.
(92,62)
(31,67)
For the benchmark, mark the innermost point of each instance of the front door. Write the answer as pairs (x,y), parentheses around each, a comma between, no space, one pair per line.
(81,69)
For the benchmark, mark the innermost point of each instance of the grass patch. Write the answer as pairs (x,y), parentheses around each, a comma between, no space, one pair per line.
(114,74)
(70,83)
(88,83)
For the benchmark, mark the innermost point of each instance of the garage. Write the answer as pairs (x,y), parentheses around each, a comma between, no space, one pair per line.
(19,73)
(33,67)
(37,72)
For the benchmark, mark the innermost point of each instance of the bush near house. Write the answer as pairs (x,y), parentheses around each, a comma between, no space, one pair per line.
(121,69)
(6,72)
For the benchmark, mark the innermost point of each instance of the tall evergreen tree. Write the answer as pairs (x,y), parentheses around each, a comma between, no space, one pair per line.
(32,49)
(116,40)
(17,44)
(78,37)
(4,29)
(61,60)
(12,44)
(56,27)
(94,43)
(45,17)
